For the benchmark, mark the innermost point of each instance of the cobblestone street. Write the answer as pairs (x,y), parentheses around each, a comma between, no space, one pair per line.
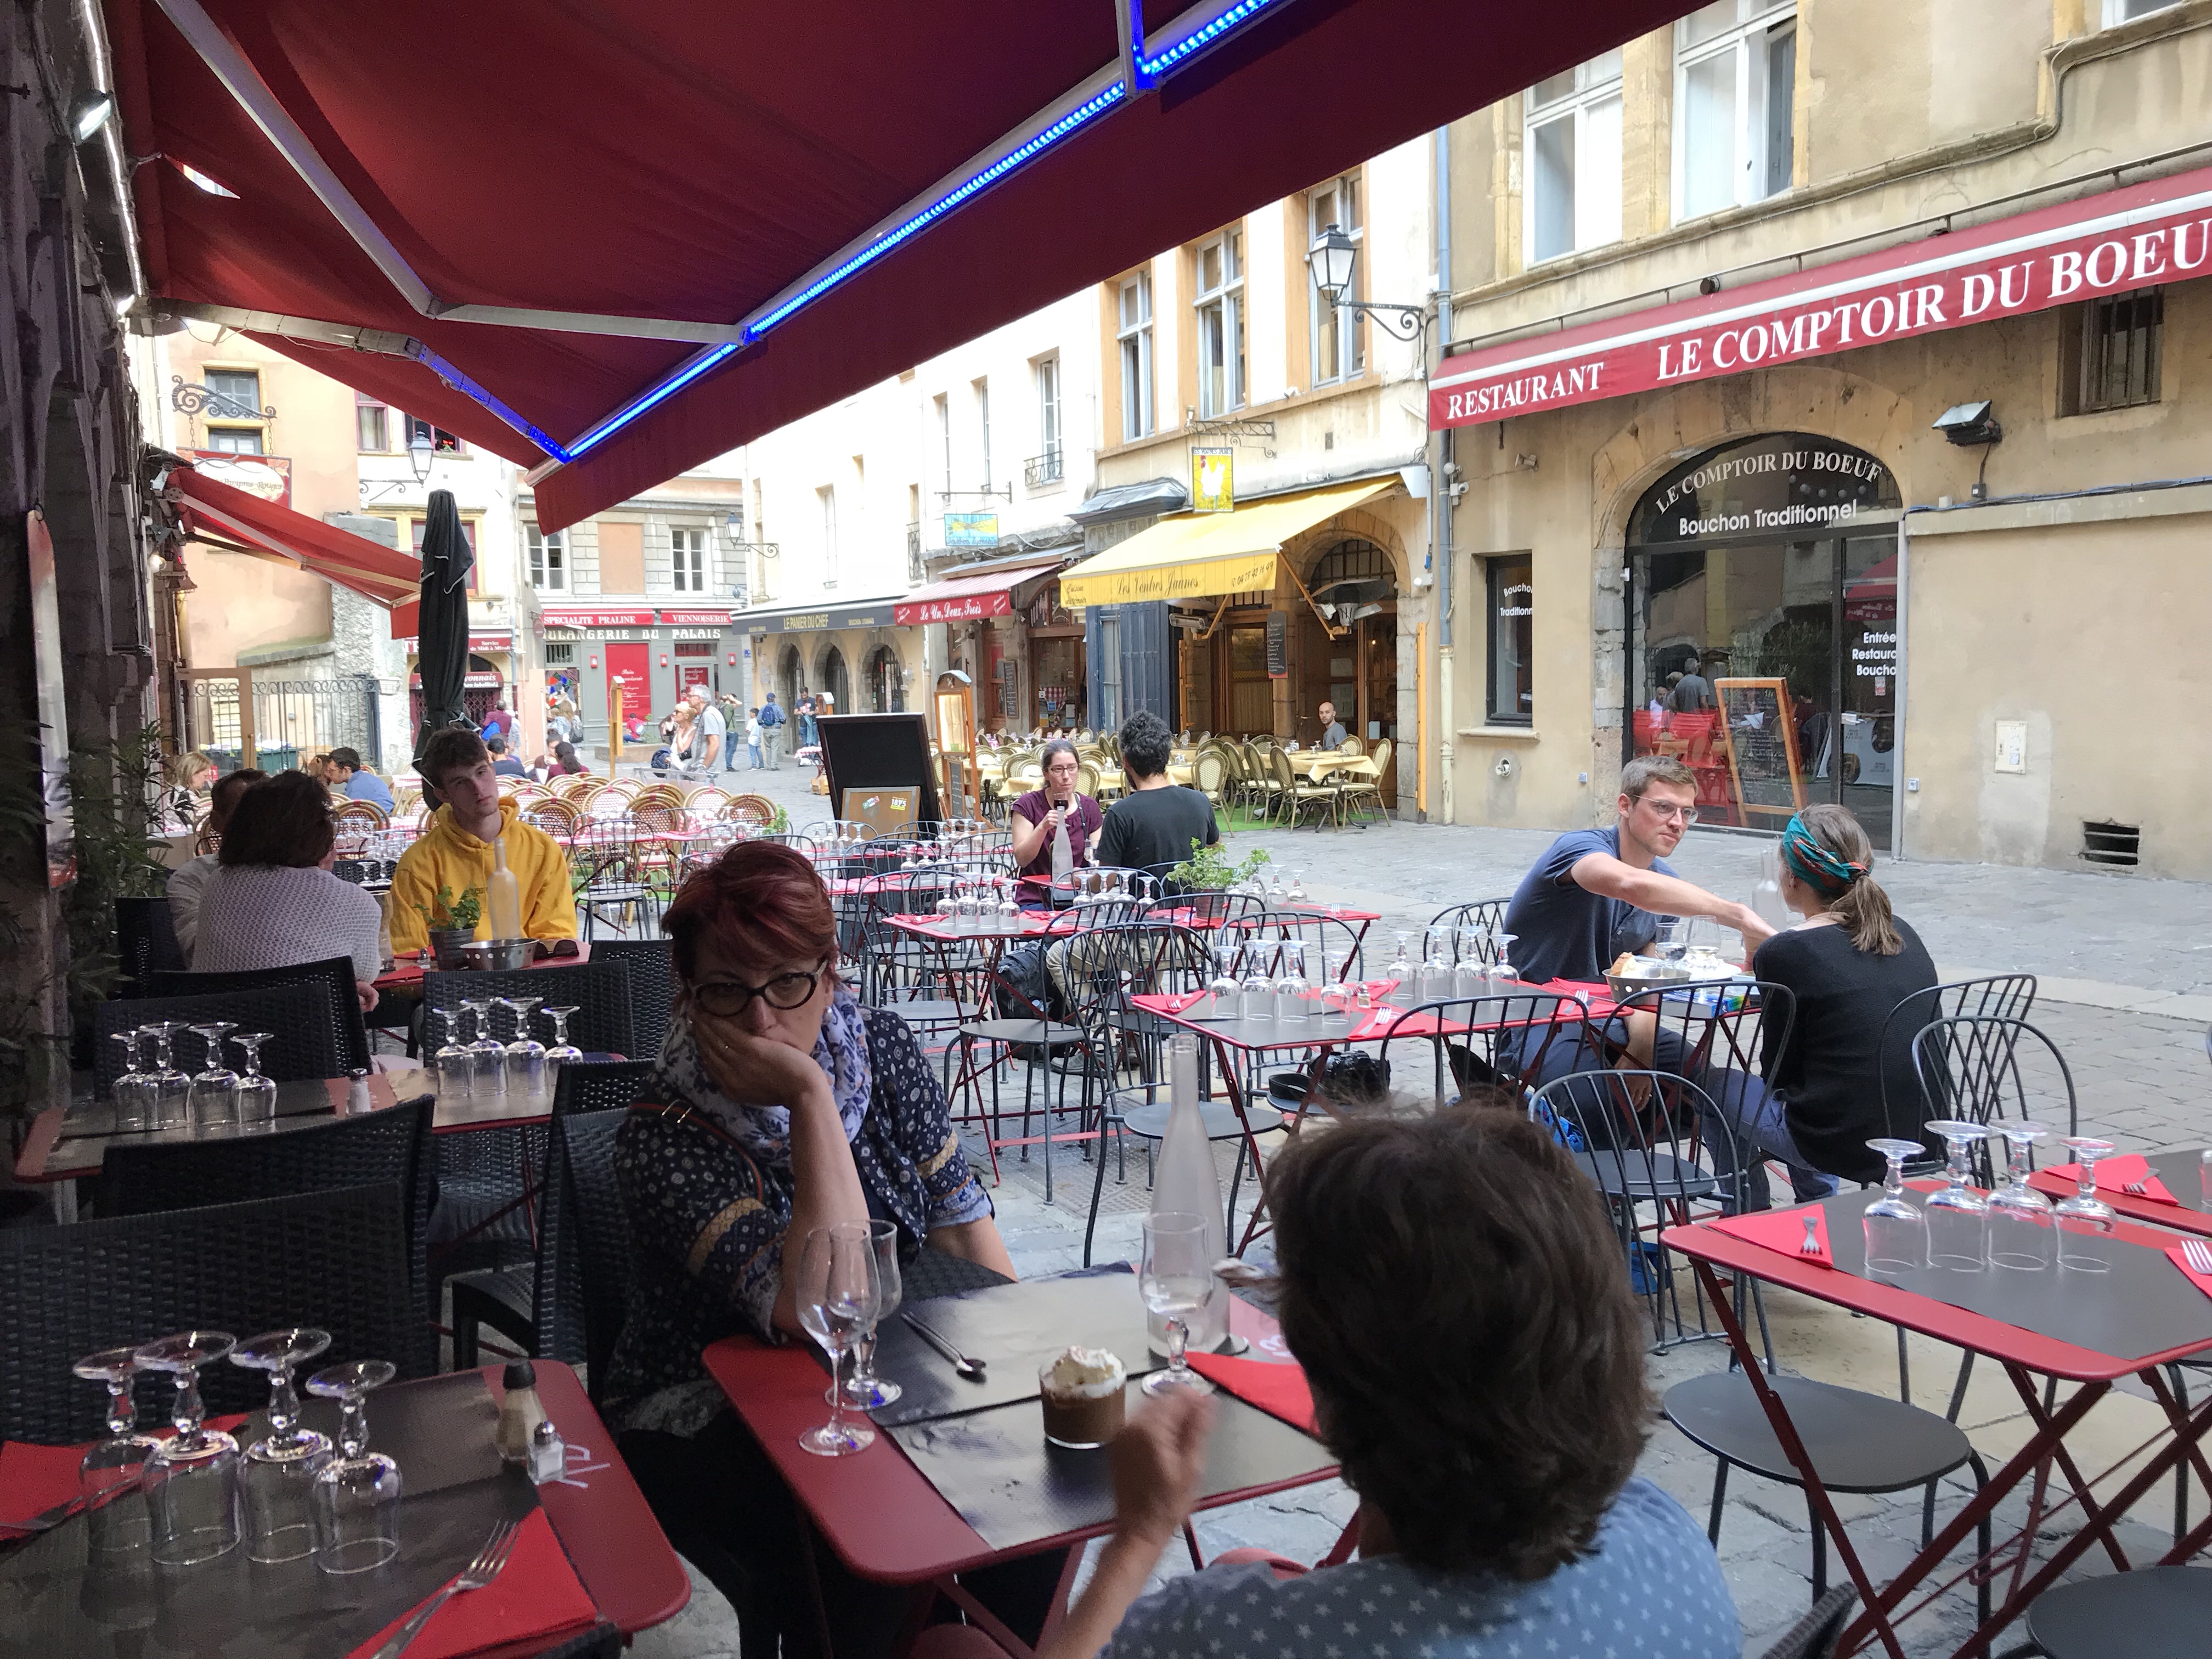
(2125,968)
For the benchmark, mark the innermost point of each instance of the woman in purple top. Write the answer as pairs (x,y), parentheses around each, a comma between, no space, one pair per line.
(1041,812)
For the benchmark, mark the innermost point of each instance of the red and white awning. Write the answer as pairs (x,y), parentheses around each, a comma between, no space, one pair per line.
(967,599)
(2099,245)
(215,514)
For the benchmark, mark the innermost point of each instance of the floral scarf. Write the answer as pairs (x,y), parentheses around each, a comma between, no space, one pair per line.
(842,1052)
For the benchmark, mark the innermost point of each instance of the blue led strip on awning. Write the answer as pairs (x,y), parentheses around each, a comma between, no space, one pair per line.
(1150,69)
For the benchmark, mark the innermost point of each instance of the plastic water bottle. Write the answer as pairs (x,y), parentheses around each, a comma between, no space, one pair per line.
(1184,1182)
(1063,851)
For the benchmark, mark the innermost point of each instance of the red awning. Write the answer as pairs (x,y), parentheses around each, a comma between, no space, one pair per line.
(964,598)
(2098,245)
(220,516)
(666,160)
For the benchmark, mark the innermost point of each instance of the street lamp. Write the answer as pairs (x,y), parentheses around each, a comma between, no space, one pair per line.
(1334,258)
(420,455)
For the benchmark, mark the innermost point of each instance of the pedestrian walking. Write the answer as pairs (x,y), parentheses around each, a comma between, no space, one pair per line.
(733,722)
(771,725)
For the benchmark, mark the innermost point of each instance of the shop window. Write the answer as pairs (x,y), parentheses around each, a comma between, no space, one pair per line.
(1335,333)
(441,442)
(1572,150)
(2111,350)
(2126,11)
(1220,306)
(414,530)
(1135,337)
(1512,642)
(560,654)
(237,391)
(687,560)
(549,558)
(235,439)
(372,425)
(694,647)
(1735,69)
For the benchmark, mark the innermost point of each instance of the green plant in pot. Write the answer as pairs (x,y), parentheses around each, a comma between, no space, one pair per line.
(452,923)
(1207,869)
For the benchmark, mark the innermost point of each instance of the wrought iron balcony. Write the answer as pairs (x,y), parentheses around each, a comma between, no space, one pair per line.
(1041,468)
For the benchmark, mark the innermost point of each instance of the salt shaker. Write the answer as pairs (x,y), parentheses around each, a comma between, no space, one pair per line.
(357,1100)
(549,1457)
(520,1414)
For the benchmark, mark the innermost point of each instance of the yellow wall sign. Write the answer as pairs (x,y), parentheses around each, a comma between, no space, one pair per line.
(1213,481)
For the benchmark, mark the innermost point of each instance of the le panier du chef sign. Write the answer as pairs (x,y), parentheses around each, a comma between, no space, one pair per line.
(2099,245)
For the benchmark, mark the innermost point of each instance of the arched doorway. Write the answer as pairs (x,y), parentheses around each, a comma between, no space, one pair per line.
(788,684)
(1762,631)
(834,680)
(1351,661)
(886,682)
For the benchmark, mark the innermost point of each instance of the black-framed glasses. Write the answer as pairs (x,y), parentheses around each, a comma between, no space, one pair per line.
(726,999)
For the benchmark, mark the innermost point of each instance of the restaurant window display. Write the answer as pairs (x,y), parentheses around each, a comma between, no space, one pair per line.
(1762,639)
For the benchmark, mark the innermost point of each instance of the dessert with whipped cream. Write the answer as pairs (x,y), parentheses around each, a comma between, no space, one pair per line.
(1081,1390)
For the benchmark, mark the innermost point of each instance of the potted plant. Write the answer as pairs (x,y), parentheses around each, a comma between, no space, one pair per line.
(452,923)
(1208,869)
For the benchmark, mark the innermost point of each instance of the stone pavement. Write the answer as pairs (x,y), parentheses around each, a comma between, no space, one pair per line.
(2125,969)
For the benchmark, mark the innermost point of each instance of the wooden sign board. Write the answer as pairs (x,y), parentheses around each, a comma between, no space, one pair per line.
(1760,729)
(887,752)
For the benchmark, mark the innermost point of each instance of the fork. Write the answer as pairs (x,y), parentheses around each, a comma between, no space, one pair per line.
(2140,1187)
(1810,1244)
(479,1572)
(2198,1255)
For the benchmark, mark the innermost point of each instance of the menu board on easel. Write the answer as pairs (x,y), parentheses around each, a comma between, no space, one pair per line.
(955,705)
(1761,736)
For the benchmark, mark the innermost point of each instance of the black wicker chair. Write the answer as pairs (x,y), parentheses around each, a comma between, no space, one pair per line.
(302,1043)
(146,940)
(336,1260)
(334,976)
(507,1298)
(651,965)
(594,1245)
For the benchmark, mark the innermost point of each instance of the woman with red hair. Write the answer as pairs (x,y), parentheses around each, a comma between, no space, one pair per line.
(779,1105)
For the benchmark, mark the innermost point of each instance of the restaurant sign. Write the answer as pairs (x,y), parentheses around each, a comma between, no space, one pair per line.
(961,607)
(971,529)
(269,477)
(1783,484)
(589,618)
(2100,244)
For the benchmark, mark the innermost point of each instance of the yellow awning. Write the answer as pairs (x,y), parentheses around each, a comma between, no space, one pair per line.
(1197,554)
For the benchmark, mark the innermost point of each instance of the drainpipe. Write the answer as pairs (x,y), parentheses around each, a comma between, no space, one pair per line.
(1440,496)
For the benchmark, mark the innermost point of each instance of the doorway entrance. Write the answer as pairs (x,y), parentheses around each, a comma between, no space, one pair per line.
(628,672)
(1767,662)
(1351,660)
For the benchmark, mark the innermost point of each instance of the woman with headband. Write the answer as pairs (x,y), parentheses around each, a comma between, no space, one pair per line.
(1848,963)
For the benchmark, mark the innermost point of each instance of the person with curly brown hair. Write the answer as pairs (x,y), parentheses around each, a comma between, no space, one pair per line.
(1455,1292)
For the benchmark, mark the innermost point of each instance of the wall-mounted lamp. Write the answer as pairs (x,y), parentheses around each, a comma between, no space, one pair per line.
(91,115)
(1971,424)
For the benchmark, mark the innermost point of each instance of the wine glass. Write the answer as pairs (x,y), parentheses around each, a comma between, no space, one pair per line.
(256,1095)
(525,1056)
(2085,1221)
(1437,970)
(1896,1233)
(355,1503)
(111,1471)
(1176,1278)
(1958,1216)
(1290,999)
(1469,977)
(487,1055)
(456,1065)
(837,1293)
(1672,940)
(2023,1230)
(280,1468)
(1297,889)
(1258,1001)
(133,1090)
(1010,908)
(864,1389)
(563,1053)
(1276,892)
(214,1097)
(1502,971)
(1400,973)
(1223,986)
(192,1477)
(171,1087)
(1152,889)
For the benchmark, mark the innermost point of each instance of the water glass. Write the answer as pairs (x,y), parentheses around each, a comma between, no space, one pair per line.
(256,1095)
(864,1389)
(1958,1216)
(1896,1232)
(192,1477)
(1174,1277)
(133,1090)
(2023,1227)
(280,1471)
(2086,1239)
(837,1293)
(111,1474)
(355,1498)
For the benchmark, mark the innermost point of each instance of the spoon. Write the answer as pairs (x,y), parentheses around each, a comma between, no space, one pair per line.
(970,1369)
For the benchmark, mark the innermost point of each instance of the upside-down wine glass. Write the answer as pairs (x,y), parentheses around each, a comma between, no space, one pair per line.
(837,1293)
(1437,970)
(1400,973)
(2023,1227)
(192,1477)
(110,1473)
(1896,1232)
(526,1070)
(456,1066)
(1335,991)
(1470,977)
(171,1087)
(356,1502)
(133,1091)
(1502,971)
(1292,1001)
(1958,1216)
(563,1053)
(256,1095)
(215,1089)
(279,1478)
(1174,1278)
(1258,1001)
(1222,986)
(488,1055)
(864,1389)
(2086,1241)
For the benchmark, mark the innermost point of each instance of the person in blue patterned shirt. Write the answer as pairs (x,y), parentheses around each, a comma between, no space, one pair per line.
(1453,1292)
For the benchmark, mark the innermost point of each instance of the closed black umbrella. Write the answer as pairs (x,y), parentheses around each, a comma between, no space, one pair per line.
(442,655)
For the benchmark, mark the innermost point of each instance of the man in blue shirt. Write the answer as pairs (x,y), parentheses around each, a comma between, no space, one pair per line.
(358,782)
(771,725)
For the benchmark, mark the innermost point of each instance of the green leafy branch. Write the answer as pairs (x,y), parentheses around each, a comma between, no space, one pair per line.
(1208,869)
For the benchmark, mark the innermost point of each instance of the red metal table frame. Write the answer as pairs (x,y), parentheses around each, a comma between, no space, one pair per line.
(880,1513)
(2025,1355)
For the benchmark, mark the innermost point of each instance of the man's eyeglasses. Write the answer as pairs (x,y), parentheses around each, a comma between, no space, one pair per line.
(726,999)
(1672,814)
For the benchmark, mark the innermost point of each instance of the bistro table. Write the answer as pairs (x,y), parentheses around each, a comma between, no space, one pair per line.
(2184,1174)
(406,971)
(888,1521)
(2089,1328)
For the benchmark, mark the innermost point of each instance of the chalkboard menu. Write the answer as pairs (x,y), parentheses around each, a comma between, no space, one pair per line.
(1279,645)
(1762,746)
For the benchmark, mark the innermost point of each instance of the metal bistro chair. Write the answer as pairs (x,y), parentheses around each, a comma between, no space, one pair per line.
(1022,1028)
(537,1304)
(609,869)
(1489,914)
(333,977)
(1296,797)
(902,973)
(1511,1038)
(2152,1612)
(301,1045)
(337,1260)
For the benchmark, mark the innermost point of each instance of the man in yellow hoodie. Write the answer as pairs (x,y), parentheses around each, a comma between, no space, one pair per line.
(455,852)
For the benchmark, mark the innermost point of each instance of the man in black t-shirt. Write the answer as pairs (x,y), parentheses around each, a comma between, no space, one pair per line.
(1152,826)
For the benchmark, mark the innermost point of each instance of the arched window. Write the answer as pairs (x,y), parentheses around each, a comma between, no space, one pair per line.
(886,682)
